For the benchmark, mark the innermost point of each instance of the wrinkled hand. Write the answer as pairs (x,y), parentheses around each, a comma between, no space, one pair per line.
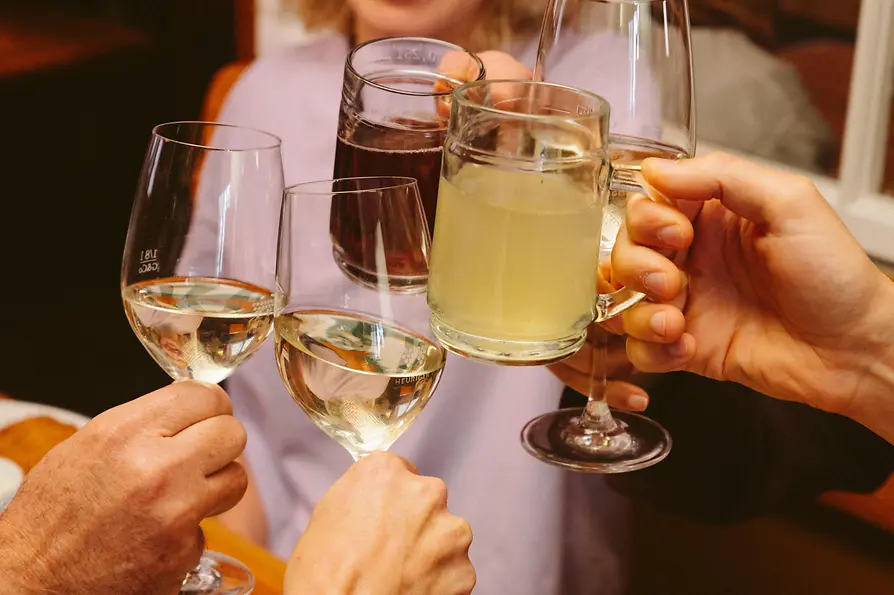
(781,297)
(383,529)
(115,509)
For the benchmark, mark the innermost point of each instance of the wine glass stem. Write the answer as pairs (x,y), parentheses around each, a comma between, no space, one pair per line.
(597,417)
(201,579)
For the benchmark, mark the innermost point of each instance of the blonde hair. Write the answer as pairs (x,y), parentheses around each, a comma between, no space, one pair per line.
(497,25)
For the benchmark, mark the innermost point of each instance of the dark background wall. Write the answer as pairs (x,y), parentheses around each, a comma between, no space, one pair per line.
(82,82)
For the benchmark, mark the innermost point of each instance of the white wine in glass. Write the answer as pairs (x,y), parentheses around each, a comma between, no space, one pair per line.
(356,355)
(361,380)
(199,328)
(198,268)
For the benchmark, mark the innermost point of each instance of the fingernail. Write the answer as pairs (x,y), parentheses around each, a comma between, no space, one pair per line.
(655,283)
(671,236)
(658,322)
(637,403)
(677,349)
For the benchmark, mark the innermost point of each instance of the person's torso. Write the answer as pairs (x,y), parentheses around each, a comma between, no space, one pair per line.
(468,435)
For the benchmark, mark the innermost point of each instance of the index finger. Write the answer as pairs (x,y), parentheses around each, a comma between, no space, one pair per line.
(762,195)
(169,410)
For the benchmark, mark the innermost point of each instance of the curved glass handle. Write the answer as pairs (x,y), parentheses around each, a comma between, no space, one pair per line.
(624,181)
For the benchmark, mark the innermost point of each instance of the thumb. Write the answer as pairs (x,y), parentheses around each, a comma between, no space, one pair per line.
(767,197)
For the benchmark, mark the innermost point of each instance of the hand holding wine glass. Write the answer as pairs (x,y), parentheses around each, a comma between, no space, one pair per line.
(400,537)
(198,266)
(781,297)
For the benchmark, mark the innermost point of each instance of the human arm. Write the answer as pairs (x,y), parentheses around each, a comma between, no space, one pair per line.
(781,298)
(93,515)
(382,529)
(738,454)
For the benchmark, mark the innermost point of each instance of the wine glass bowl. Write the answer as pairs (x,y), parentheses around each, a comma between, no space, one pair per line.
(197,270)
(355,354)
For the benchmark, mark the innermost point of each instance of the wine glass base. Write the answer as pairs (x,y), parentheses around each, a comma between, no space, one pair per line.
(636,442)
(218,574)
(504,353)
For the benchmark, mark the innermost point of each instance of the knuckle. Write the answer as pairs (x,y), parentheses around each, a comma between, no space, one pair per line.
(211,396)
(380,459)
(146,472)
(217,398)
(466,579)
(461,532)
(384,462)
(106,429)
(233,432)
(434,490)
(237,482)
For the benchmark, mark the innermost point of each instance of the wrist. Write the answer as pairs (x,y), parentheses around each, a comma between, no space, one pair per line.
(873,403)
(308,576)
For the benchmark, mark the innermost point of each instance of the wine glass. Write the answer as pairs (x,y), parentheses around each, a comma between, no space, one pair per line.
(357,357)
(198,267)
(392,121)
(644,69)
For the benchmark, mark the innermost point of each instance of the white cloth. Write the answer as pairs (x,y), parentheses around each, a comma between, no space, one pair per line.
(538,530)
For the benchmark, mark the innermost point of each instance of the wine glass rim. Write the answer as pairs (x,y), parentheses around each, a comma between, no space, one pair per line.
(461,99)
(275,143)
(349,64)
(308,188)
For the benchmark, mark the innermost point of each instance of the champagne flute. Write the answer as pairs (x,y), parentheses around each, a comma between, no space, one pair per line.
(356,356)
(198,269)
(392,121)
(645,71)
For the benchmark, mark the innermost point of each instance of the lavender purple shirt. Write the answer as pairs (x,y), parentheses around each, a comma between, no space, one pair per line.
(538,530)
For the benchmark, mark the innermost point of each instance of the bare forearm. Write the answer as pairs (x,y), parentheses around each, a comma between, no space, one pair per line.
(248,518)
(874,406)
(16,575)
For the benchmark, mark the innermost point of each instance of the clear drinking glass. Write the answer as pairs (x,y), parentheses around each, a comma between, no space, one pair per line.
(392,122)
(517,233)
(357,357)
(198,267)
(645,71)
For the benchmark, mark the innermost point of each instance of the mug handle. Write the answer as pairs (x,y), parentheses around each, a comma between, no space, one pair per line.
(610,305)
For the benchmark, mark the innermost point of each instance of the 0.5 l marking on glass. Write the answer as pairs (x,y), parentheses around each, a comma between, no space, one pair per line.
(148,261)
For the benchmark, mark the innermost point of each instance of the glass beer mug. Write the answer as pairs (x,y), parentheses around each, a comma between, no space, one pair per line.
(524,184)
(392,122)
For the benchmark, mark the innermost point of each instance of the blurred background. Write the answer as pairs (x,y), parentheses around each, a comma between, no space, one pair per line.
(83,81)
